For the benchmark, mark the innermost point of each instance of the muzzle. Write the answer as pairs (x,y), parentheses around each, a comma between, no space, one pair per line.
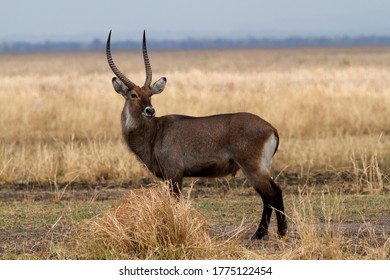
(149,112)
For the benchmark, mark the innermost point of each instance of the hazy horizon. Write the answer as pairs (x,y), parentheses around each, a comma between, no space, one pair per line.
(44,20)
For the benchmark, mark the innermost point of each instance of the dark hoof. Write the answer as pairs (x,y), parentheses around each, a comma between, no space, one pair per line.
(260,236)
(282,233)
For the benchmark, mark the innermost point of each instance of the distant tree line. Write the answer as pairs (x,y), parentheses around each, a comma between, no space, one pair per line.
(291,42)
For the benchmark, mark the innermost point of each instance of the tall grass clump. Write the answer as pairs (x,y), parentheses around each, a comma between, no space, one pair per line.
(368,175)
(151,224)
(318,234)
(318,231)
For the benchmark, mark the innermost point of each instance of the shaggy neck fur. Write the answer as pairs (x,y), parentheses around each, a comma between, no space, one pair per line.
(139,134)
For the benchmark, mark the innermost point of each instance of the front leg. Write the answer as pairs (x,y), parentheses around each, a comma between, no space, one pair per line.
(174,180)
(175,185)
(171,170)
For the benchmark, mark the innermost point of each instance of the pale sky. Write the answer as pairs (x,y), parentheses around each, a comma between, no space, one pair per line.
(69,20)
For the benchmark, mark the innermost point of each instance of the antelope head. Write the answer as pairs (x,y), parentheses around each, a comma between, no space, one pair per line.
(138,99)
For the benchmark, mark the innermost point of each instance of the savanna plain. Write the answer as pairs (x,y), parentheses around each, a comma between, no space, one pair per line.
(70,189)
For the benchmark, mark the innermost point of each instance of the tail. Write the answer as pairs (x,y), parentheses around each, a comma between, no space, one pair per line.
(277,140)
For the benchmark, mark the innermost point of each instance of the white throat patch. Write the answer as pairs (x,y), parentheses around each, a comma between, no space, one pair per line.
(130,122)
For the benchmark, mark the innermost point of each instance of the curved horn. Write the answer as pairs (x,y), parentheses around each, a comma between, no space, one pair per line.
(148,68)
(114,69)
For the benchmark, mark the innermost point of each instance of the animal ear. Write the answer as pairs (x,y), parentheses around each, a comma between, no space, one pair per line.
(158,86)
(120,87)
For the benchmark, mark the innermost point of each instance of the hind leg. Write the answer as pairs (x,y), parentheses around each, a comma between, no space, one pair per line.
(279,209)
(271,195)
(262,230)
(272,198)
(255,164)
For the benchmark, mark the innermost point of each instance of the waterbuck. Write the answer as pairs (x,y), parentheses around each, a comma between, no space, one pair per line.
(177,146)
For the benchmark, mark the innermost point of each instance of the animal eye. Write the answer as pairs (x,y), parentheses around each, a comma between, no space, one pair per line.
(133,95)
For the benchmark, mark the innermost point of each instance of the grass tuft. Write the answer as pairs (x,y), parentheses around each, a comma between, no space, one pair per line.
(151,224)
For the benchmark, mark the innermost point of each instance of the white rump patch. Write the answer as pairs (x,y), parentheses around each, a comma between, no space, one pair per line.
(268,152)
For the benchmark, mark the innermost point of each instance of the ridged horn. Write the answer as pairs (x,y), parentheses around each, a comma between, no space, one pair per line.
(113,67)
(148,68)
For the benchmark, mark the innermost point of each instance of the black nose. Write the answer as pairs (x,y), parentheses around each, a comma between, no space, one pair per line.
(149,111)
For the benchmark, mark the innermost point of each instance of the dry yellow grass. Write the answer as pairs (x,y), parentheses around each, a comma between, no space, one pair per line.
(151,224)
(60,116)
